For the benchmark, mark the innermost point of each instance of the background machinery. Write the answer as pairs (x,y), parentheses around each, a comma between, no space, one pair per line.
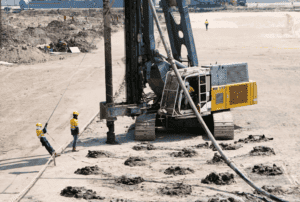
(214,89)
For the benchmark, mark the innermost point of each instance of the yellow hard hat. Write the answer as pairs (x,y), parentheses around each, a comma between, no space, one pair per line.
(76,113)
(48,46)
(39,124)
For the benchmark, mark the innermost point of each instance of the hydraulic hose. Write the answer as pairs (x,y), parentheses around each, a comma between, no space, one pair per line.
(204,126)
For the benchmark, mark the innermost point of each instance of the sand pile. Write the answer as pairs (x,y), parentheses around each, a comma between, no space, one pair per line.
(185,153)
(219,179)
(80,192)
(254,138)
(178,171)
(217,159)
(98,154)
(262,151)
(204,146)
(178,189)
(226,146)
(135,161)
(129,180)
(88,170)
(267,170)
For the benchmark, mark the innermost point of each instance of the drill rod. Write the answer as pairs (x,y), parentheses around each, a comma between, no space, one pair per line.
(201,121)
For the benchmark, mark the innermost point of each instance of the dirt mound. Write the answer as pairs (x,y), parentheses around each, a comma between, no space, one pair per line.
(129,180)
(217,159)
(254,138)
(275,190)
(80,192)
(98,154)
(88,170)
(262,151)
(141,147)
(22,54)
(135,161)
(219,179)
(226,146)
(178,189)
(267,170)
(56,23)
(121,200)
(204,146)
(185,153)
(178,171)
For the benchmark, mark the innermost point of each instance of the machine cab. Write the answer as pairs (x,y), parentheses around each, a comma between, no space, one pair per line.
(197,81)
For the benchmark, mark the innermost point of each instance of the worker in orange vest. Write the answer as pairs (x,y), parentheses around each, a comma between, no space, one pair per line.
(74,129)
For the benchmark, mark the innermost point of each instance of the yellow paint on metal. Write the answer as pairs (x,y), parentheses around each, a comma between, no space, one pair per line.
(234,95)
(214,91)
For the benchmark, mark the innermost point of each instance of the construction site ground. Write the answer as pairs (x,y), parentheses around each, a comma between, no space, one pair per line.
(268,42)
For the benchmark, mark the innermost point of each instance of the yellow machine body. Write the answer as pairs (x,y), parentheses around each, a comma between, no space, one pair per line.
(233,95)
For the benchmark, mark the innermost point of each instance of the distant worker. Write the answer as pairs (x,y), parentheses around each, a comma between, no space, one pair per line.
(65,17)
(74,129)
(62,46)
(206,24)
(40,133)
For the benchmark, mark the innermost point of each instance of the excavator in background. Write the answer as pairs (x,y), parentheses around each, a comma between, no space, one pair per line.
(215,89)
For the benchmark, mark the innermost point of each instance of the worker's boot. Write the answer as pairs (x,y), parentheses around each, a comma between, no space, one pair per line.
(56,155)
(74,149)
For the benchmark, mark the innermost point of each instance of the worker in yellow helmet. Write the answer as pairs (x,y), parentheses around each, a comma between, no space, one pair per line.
(206,24)
(74,129)
(40,133)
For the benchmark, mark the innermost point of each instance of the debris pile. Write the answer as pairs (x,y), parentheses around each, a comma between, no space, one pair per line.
(204,146)
(80,192)
(141,147)
(178,171)
(219,179)
(226,146)
(88,170)
(254,138)
(178,189)
(135,161)
(185,153)
(129,180)
(275,190)
(98,153)
(217,159)
(267,170)
(262,151)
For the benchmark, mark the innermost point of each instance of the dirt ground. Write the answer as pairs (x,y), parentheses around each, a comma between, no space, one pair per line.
(24,32)
(268,42)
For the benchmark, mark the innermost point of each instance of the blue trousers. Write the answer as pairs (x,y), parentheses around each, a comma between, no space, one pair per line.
(46,144)
(75,140)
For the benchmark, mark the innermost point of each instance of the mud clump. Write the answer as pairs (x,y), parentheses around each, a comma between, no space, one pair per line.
(226,146)
(98,154)
(202,146)
(217,159)
(88,170)
(267,170)
(178,189)
(141,147)
(80,192)
(135,161)
(184,153)
(219,179)
(254,138)
(276,190)
(262,151)
(129,180)
(178,171)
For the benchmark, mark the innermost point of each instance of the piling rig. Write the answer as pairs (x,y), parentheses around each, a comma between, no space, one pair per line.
(216,88)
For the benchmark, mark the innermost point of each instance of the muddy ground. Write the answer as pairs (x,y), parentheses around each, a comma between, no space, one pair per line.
(268,42)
